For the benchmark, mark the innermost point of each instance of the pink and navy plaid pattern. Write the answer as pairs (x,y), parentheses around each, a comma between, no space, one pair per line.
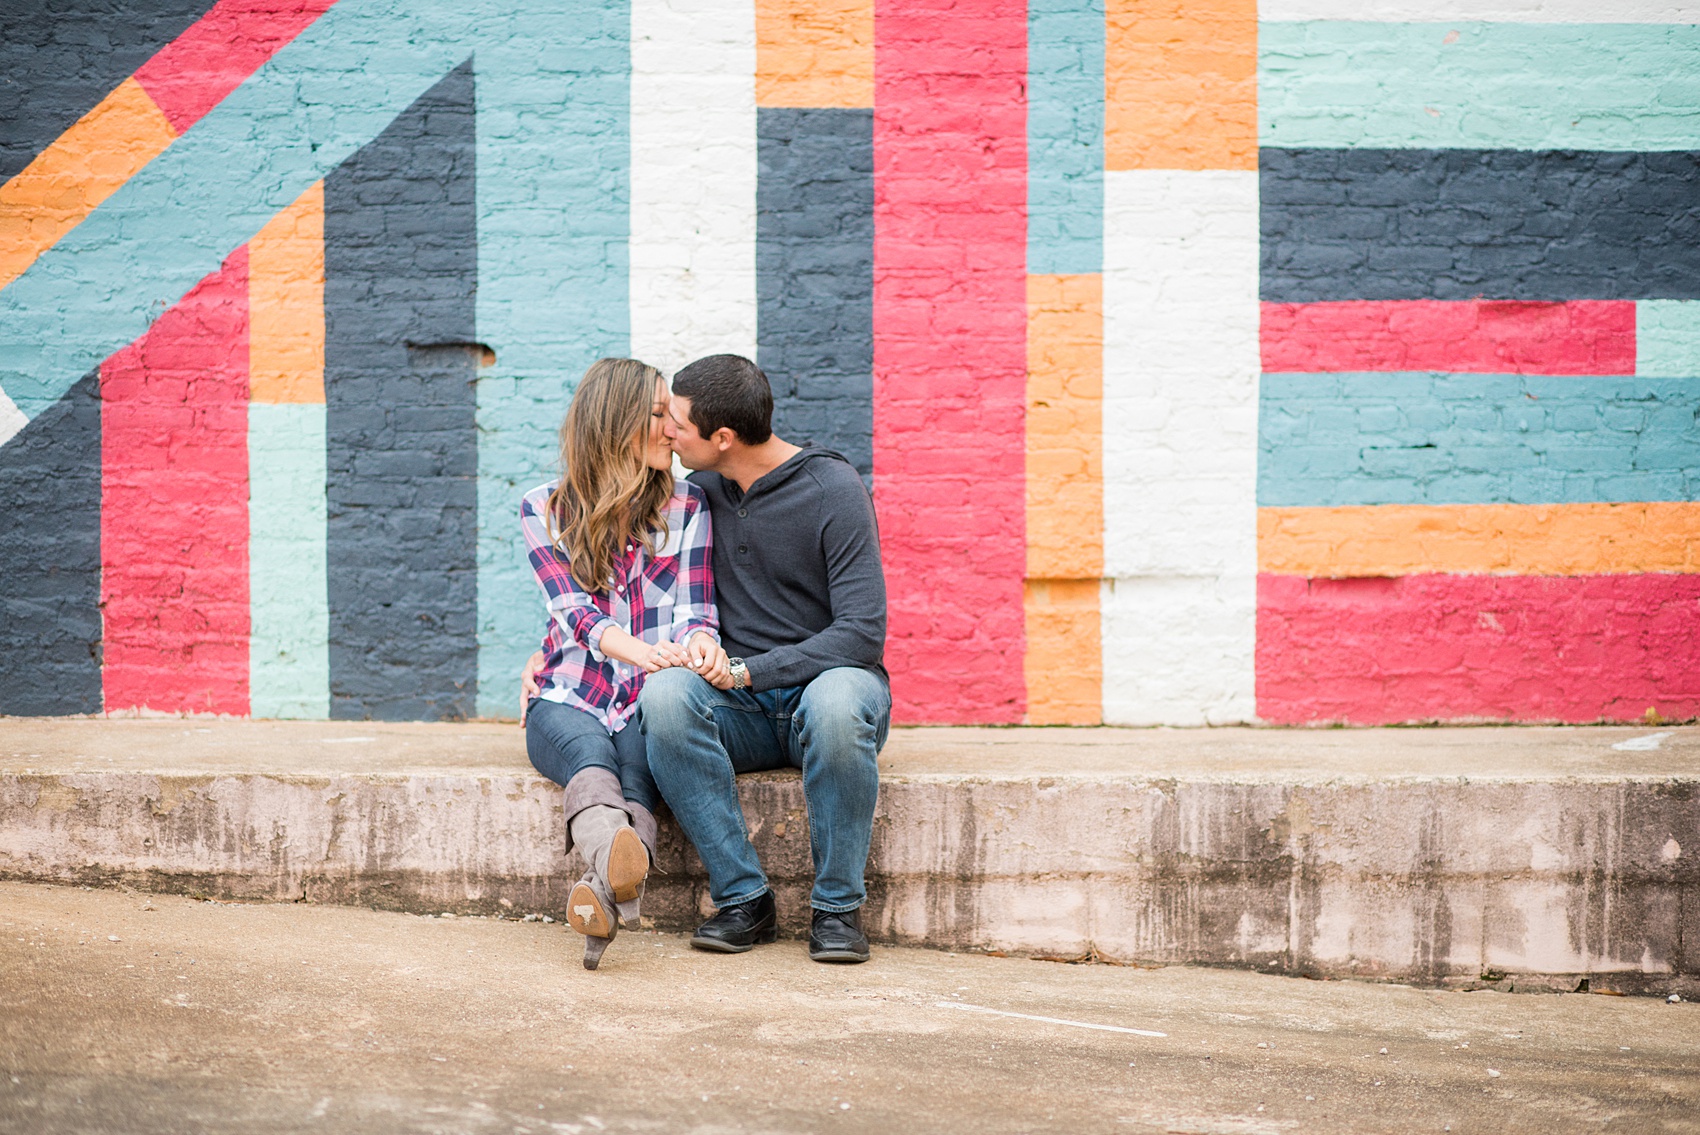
(660,598)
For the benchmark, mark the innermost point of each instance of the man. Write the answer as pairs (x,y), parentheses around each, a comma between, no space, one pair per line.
(801,596)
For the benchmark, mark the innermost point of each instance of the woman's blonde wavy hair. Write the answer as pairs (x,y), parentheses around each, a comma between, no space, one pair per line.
(607,494)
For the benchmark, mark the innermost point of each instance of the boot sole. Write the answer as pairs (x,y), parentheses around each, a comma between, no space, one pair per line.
(587,915)
(628,865)
(837,956)
(721,946)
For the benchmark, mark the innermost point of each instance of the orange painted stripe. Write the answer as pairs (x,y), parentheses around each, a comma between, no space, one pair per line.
(1065,499)
(1480,539)
(815,53)
(1180,84)
(83,167)
(1064,665)
(1065,427)
(286,303)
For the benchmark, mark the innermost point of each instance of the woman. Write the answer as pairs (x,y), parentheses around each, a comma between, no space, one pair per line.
(622,554)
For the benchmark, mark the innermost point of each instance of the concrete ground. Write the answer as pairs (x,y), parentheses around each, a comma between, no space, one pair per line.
(123,1012)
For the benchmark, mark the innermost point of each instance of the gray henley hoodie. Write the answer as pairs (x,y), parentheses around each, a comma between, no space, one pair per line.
(797,572)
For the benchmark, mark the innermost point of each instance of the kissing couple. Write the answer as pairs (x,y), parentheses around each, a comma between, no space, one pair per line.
(732,622)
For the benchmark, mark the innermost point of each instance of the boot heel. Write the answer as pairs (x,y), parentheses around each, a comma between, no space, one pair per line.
(771,934)
(587,915)
(628,865)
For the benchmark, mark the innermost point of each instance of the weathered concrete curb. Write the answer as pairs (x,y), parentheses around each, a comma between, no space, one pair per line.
(1508,880)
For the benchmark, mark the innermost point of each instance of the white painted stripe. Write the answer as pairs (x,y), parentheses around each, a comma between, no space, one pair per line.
(693,224)
(289,638)
(1180,445)
(12,419)
(1045,1020)
(1488,11)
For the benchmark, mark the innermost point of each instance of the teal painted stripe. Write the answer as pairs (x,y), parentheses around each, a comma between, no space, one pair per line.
(1630,87)
(554,95)
(1065,136)
(289,641)
(1667,338)
(1427,438)
(312,105)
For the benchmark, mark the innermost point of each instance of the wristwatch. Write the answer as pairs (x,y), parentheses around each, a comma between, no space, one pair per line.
(740,673)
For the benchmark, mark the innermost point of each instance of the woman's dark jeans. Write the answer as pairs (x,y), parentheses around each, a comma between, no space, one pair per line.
(562,742)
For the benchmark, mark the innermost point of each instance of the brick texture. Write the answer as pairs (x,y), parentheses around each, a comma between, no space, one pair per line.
(1464,224)
(815,275)
(950,353)
(50,624)
(1348,439)
(400,277)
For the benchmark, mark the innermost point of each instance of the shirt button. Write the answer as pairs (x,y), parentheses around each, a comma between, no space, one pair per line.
(743,512)
(743,548)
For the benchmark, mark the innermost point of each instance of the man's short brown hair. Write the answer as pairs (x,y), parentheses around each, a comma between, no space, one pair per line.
(729,391)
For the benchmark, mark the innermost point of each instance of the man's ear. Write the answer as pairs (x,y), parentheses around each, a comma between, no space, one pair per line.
(724,437)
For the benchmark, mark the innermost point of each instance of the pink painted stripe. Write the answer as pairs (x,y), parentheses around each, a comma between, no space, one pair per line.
(1456,647)
(1475,336)
(950,324)
(194,72)
(174,505)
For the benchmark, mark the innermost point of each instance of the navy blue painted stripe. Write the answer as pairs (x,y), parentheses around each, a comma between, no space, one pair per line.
(57,61)
(50,624)
(401,275)
(815,275)
(1364,439)
(1463,224)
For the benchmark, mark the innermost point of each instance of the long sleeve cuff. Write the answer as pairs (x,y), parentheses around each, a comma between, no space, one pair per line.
(593,640)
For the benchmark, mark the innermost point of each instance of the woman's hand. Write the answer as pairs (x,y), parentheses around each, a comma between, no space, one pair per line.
(708,658)
(665,654)
(528,687)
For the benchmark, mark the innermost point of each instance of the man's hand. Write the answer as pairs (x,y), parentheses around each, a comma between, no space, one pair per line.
(708,658)
(528,687)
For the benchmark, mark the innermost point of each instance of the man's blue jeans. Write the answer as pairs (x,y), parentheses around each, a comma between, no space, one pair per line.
(700,738)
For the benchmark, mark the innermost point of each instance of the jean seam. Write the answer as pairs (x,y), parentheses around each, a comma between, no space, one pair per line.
(738,810)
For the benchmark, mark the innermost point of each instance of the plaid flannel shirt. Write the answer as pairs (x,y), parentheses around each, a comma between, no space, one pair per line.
(660,598)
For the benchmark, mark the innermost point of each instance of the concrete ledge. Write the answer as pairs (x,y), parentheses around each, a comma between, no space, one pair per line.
(1521,858)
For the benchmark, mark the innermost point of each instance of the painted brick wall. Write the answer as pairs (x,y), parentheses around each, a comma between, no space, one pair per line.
(1209,360)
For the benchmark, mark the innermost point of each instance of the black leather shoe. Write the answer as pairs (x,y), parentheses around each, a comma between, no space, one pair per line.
(837,937)
(739,927)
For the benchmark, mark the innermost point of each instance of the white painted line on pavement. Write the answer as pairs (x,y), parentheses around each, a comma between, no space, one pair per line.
(1045,1020)
(1641,744)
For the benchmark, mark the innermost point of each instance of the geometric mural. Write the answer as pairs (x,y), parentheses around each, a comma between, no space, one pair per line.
(1209,362)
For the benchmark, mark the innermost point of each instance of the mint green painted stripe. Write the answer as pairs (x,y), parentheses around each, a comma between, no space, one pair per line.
(554,155)
(289,652)
(1347,84)
(1667,338)
(1065,136)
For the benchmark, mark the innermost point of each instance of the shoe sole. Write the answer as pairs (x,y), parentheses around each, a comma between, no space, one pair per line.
(587,915)
(628,865)
(837,956)
(720,946)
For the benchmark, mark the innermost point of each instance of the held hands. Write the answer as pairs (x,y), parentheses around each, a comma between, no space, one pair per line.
(702,655)
(664,654)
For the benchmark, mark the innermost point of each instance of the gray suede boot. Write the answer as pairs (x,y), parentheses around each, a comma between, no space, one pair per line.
(618,864)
